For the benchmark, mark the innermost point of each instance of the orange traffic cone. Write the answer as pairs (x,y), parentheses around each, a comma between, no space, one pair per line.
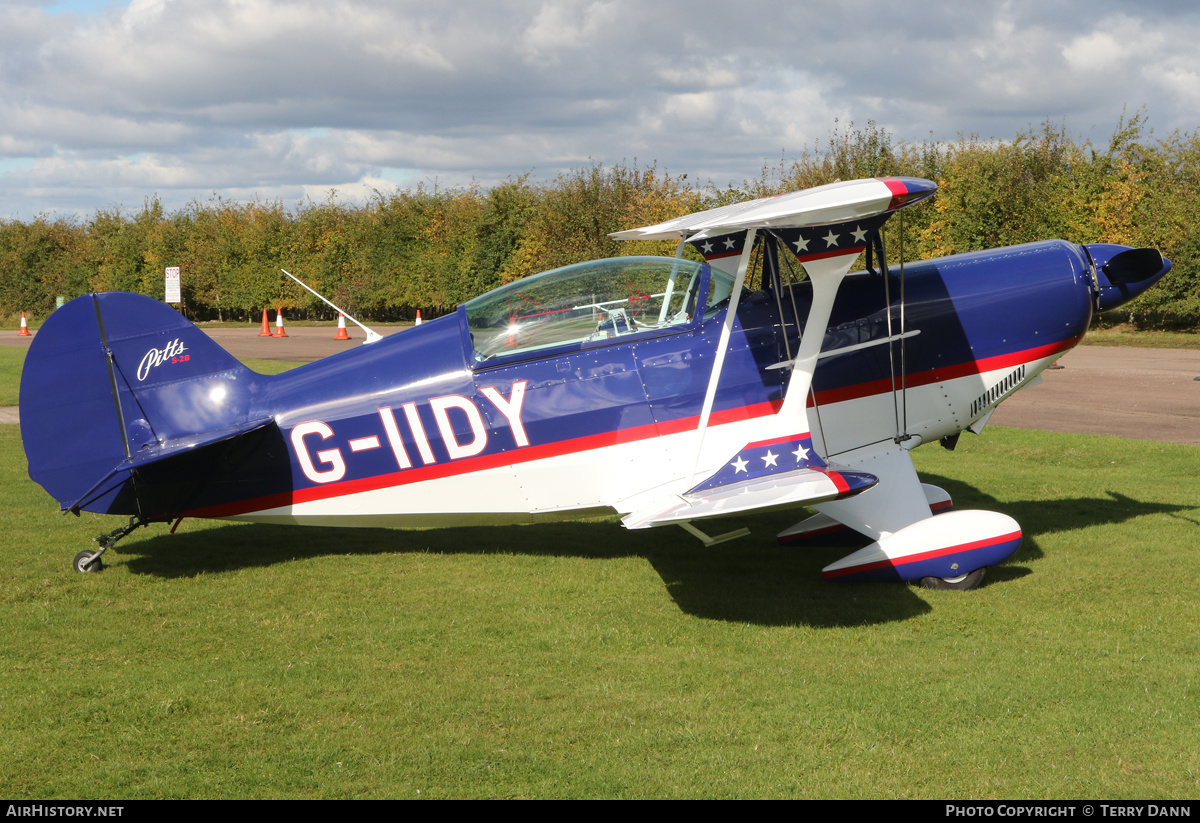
(279,332)
(266,326)
(418,318)
(24,332)
(341,332)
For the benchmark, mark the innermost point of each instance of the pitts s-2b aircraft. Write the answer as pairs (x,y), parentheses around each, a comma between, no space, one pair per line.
(663,390)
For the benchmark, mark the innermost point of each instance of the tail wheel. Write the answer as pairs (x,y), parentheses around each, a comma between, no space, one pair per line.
(88,562)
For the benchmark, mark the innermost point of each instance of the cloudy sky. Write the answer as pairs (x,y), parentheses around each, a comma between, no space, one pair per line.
(103,104)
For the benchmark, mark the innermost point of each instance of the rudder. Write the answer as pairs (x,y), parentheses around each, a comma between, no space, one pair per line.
(112,379)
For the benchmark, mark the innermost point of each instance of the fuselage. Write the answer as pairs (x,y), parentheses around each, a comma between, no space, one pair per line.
(419,430)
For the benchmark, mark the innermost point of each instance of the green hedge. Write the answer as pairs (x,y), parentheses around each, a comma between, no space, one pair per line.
(433,248)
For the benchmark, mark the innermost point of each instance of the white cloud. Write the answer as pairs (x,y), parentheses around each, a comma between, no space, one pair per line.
(562,30)
(282,98)
(710,74)
(1184,85)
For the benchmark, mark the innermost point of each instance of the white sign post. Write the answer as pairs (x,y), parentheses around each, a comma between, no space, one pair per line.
(173,285)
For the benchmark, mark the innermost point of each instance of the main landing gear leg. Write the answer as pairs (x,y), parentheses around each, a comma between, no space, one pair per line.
(87,561)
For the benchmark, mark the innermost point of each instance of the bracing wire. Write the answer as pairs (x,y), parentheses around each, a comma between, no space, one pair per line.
(903,361)
(887,300)
(772,257)
(793,279)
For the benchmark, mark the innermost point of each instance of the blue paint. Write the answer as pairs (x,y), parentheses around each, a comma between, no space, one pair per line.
(173,382)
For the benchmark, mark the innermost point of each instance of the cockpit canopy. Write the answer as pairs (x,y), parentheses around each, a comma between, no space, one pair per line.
(594,301)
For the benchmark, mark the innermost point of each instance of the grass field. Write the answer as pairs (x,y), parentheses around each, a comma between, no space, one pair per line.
(581,660)
(11,361)
(1125,335)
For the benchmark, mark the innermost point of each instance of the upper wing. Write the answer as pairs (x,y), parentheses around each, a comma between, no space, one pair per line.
(834,203)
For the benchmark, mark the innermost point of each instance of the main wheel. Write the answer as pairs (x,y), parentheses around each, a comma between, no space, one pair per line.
(962,583)
(88,562)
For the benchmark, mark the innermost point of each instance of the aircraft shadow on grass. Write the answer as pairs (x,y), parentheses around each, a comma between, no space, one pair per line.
(1041,517)
(752,580)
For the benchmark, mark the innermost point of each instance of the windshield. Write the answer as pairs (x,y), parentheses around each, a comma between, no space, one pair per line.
(598,300)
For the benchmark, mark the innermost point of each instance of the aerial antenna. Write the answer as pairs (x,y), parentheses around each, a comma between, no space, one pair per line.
(372,336)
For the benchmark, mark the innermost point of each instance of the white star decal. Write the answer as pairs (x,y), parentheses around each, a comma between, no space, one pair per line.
(801,454)
(801,245)
(770,458)
(706,248)
(739,465)
(860,235)
(830,239)
(728,242)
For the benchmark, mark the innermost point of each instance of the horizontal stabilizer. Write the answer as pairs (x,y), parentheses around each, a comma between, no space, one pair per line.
(798,487)
(153,453)
(158,452)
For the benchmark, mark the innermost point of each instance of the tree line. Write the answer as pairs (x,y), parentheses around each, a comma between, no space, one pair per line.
(431,248)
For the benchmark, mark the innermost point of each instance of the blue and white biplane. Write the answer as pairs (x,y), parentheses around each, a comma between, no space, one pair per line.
(665,390)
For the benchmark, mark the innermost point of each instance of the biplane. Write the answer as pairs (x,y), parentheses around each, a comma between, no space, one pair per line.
(762,375)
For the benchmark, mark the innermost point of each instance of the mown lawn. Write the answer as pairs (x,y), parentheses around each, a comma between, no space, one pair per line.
(582,660)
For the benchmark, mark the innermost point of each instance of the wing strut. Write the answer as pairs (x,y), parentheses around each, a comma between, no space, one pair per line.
(722,346)
(825,271)
(666,303)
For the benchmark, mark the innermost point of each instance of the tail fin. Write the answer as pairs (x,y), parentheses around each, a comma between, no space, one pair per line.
(114,382)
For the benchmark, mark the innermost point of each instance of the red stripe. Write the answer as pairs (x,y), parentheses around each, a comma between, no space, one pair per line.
(596,441)
(1001,361)
(827,254)
(489,461)
(788,439)
(961,547)
(929,555)
(898,189)
(838,480)
(740,413)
